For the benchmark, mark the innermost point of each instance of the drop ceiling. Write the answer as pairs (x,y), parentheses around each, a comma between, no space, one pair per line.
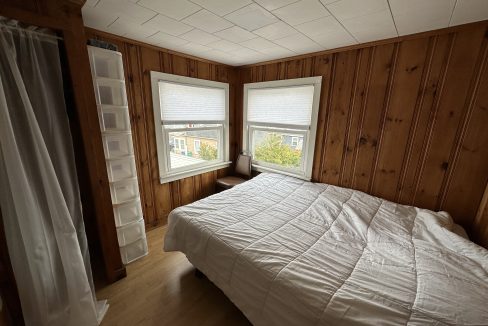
(239,32)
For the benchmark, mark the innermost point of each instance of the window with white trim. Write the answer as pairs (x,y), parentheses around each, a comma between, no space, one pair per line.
(190,111)
(280,124)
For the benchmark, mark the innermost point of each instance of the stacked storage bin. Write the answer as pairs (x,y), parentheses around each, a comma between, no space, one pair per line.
(108,78)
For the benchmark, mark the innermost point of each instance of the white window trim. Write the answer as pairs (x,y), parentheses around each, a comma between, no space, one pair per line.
(309,140)
(162,139)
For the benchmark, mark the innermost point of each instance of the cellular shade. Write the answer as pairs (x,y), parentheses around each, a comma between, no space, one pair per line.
(180,102)
(283,105)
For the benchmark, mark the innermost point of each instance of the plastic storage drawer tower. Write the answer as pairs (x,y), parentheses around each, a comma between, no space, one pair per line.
(108,78)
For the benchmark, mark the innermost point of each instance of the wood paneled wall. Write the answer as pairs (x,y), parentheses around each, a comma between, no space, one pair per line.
(139,59)
(406,120)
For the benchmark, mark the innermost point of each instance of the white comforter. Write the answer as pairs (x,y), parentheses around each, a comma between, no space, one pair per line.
(290,252)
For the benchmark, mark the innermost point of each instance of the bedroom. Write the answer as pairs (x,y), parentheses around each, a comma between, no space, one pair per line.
(362,128)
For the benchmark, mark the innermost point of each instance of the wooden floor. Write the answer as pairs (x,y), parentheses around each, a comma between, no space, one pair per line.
(161,289)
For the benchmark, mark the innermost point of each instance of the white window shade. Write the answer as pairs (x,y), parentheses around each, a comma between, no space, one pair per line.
(181,102)
(282,105)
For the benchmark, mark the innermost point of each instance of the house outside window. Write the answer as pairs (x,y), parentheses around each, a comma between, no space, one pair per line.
(196,145)
(191,118)
(280,123)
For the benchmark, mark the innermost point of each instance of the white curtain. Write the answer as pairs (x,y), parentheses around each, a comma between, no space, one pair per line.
(39,194)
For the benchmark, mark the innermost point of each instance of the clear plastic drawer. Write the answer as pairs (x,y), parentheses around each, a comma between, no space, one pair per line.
(110,92)
(124,190)
(127,212)
(117,145)
(114,119)
(134,251)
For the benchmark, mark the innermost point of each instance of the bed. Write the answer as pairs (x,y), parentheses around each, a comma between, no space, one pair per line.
(292,252)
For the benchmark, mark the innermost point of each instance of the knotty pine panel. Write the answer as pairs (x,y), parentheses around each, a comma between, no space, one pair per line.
(139,59)
(404,119)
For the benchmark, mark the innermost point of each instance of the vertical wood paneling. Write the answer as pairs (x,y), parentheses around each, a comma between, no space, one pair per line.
(159,199)
(398,117)
(383,56)
(404,120)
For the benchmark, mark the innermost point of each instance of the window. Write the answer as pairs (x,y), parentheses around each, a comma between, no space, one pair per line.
(294,141)
(280,122)
(191,117)
(196,145)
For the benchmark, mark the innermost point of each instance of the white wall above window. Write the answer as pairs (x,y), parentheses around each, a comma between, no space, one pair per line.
(280,124)
(185,111)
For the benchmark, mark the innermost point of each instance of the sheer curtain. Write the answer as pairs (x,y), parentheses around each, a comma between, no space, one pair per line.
(39,193)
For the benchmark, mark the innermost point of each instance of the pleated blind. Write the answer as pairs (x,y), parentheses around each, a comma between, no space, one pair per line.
(180,102)
(283,105)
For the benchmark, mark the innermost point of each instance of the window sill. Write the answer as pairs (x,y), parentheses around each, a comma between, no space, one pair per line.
(190,173)
(261,168)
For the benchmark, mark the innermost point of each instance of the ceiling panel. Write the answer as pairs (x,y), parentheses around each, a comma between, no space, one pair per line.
(274,4)
(468,11)
(174,9)
(417,16)
(328,32)
(165,40)
(259,44)
(251,17)
(371,27)
(207,21)
(275,31)
(239,32)
(168,25)
(200,37)
(236,34)
(301,12)
(222,7)
(298,43)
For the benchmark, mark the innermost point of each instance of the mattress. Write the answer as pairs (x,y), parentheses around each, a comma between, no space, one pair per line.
(291,252)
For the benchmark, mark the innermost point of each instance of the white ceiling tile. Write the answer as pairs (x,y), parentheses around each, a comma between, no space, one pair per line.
(275,31)
(371,27)
(277,51)
(301,12)
(348,9)
(96,18)
(245,53)
(236,34)
(328,32)
(224,45)
(207,21)
(193,48)
(165,40)
(129,29)
(468,11)
(298,43)
(90,3)
(129,10)
(258,44)
(274,4)
(251,17)
(222,7)
(215,55)
(200,37)
(168,25)
(175,9)
(417,16)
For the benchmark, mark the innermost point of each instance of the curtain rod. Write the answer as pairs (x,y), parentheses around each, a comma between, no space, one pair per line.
(20,29)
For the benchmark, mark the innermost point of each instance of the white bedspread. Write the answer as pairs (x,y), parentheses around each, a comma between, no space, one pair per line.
(291,252)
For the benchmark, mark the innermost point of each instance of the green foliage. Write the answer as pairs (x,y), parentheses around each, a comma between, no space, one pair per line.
(272,150)
(208,152)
